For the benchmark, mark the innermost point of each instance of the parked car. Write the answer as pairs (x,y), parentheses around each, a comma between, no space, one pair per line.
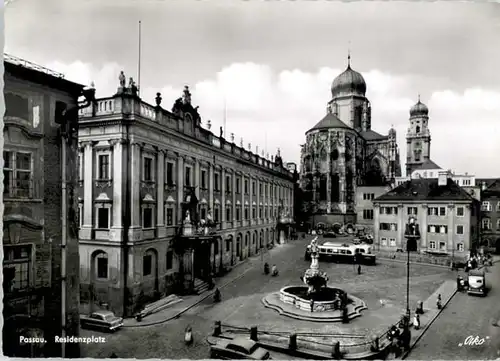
(330,235)
(238,348)
(476,283)
(101,320)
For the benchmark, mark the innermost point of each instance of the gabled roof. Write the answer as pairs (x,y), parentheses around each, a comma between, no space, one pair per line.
(372,135)
(492,188)
(489,181)
(330,121)
(427,165)
(426,190)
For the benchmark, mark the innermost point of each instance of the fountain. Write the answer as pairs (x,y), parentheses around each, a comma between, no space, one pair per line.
(315,301)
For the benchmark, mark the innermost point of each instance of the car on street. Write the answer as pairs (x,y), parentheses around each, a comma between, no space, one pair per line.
(476,283)
(238,348)
(101,320)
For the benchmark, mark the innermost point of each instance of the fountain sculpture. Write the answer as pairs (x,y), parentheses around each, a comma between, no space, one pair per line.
(321,302)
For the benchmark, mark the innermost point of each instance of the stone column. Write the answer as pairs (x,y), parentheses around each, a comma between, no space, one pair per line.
(423,226)
(211,187)
(401,228)
(180,187)
(117,228)
(161,231)
(135,184)
(88,184)
(376,224)
(242,214)
(451,228)
(197,178)
(223,199)
(250,202)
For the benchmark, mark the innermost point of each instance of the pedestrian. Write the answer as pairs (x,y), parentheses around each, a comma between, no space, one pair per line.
(311,303)
(217,295)
(416,321)
(438,302)
(459,284)
(359,269)
(188,336)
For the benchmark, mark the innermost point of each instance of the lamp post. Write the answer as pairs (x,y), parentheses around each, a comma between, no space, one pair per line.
(412,235)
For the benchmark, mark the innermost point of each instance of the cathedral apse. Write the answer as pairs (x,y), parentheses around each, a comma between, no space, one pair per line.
(342,152)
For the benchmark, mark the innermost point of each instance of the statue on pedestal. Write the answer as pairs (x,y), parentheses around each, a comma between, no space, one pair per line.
(122,79)
(187,220)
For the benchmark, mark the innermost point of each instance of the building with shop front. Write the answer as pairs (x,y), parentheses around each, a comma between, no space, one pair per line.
(140,167)
(447,214)
(490,213)
(40,237)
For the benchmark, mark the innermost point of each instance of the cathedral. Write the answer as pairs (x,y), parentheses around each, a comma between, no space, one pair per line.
(342,152)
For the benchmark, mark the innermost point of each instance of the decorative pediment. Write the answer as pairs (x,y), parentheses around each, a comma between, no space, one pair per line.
(148,198)
(216,201)
(253,203)
(203,201)
(103,197)
(246,203)
(228,202)
(238,203)
(261,203)
(170,199)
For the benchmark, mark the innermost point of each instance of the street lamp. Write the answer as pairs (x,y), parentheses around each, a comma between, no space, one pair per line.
(412,235)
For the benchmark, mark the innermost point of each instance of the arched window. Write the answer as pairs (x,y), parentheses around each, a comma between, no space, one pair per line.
(101,265)
(417,129)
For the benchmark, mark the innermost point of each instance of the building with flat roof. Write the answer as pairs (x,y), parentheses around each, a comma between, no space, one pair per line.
(141,168)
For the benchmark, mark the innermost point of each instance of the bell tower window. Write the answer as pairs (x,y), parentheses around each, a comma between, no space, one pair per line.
(417,129)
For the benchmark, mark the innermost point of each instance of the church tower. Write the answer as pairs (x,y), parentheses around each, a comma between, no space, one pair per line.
(349,102)
(418,138)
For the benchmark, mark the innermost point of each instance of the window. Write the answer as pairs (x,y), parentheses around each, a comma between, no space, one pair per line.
(442,246)
(102,265)
(238,185)
(392,242)
(486,206)
(148,169)
(437,229)
(388,226)
(254,213)
(238,213)
(246,186)
(17,263)
(170,216)
(228,184)
(187,180)
(389,210)
(228,245)
(367,213)
(432,211)
(216,214)
(246,213)
(254,190)
(80,167)
(170,260)
(147,218)
(216,182)
(460,211)
(412,211)
(203,212)
(498,224)
(432,244)
(486,224)
(460,247)
(103,164)
(103,218)
(498,207)
(16,106)
(383,241)
(17,174)
(228,213)
(203,179)
(460,229)
(368,196)
(147,265)
(170,173)
(442,211)
(260,188)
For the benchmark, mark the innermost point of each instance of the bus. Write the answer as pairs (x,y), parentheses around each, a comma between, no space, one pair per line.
(343,252)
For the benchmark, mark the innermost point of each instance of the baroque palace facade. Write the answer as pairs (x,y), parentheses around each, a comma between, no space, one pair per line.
(342,152)
(138,166)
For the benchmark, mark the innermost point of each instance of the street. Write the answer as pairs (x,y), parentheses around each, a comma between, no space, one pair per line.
(382,287)
(463,317)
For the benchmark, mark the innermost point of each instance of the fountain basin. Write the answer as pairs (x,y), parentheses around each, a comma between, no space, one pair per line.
(324,300)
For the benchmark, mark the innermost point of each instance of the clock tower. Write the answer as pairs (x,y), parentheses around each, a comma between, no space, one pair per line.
(418,137)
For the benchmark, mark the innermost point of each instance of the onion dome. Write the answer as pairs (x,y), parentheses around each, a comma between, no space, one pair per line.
(349,82)
(419,109)
(392,132)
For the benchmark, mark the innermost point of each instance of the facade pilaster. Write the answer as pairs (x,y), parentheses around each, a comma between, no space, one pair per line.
(88,181)
(259,206)
(211,187)
(234,199)
(223,198)
(180,186)
(161,231)
(376,223)
(451,228)
(135,184)
(117,227)
(401,228)
(423,226)
(197,178)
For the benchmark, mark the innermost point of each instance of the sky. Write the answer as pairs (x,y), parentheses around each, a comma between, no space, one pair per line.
(270,64)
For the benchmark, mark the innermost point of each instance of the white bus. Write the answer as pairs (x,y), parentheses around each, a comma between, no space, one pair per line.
(344,252)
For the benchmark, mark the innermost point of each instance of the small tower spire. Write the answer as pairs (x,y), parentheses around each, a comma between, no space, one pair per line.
(349,55)
(419,97)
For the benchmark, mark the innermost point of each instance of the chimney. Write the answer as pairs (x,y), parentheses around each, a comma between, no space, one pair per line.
(483,186)
(442,178)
